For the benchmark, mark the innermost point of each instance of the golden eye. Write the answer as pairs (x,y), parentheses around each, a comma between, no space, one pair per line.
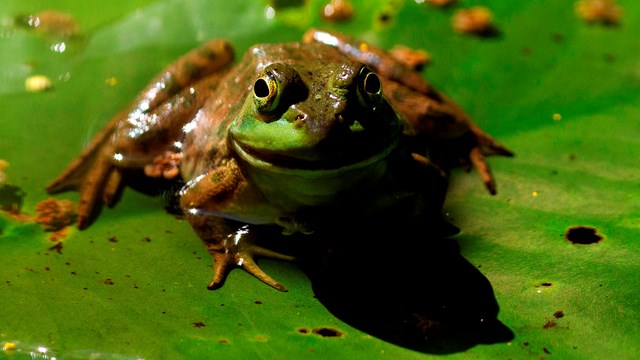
(266,93)
(276,90)
(369,87)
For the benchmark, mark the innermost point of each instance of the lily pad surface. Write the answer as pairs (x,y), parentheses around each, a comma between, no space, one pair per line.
(547,268)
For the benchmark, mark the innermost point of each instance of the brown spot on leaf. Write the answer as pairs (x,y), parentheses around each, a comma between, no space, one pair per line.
(51,22)
(11,196)
(544,284)
(441,3)
(558,314)
(583,235)
(385,17)
(413,58)
(338,11)
(57,247)
(475,20)
(198,324)
(109,282)
(327,332)
(53,214)
(549,324)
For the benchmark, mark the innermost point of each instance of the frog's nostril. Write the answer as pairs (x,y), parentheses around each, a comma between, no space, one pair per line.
(349,122)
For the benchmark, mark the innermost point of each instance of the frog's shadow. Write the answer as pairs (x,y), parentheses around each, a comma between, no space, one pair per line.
(404,282)
(405,288)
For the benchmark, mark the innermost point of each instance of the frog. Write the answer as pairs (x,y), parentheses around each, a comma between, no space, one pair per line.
(298,135)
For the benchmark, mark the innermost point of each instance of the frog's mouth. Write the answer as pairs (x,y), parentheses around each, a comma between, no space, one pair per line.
(281,163)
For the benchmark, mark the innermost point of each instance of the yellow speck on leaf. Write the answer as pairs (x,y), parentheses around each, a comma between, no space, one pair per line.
(557,117)
(37,83)
(535,194)
(3,165)
(9,346)
(112,81)
(603,11)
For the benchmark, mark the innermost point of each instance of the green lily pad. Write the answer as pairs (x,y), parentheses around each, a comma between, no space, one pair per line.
(562,93)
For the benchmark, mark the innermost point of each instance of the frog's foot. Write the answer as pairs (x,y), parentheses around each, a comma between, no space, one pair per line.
(99,185)
(94,175)
(244,257)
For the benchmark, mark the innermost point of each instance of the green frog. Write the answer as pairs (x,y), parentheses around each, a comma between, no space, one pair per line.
(300,135)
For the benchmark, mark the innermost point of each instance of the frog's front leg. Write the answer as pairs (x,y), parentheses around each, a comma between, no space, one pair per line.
(142,130)
(230,243)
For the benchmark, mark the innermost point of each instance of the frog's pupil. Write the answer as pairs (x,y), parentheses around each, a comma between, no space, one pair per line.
(261,88)
(372,83)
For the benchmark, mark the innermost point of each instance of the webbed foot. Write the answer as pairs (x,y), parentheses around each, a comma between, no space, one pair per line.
(243,255)
(93,174)
(234,245)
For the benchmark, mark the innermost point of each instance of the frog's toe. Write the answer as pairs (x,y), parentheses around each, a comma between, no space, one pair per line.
(485,146)
(250,266)
(483,169)
(221,261)
(490,146)
(225,260)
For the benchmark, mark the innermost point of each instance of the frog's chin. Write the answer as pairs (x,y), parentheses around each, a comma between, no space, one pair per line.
(293,188)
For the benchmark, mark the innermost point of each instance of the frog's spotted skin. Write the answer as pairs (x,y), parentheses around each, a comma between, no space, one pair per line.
(300,135)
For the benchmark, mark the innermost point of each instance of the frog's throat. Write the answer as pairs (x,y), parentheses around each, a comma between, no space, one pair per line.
(291,189)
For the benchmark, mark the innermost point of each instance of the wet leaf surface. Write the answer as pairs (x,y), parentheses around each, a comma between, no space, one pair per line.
(562,93)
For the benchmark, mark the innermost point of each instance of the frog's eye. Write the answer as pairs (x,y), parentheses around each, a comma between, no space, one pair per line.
(276,89)
(266,93)
(369,87)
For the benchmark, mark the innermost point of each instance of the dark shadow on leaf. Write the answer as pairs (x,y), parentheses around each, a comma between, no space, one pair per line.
(407,289)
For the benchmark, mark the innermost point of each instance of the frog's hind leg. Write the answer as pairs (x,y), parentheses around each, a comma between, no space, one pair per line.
(168,100)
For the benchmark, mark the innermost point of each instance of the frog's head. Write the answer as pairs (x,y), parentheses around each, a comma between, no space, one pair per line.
(311,107)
